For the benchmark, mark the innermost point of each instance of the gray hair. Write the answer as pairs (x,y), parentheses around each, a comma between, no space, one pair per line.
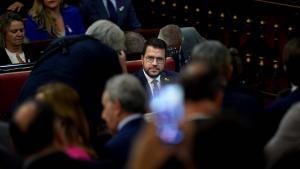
(108,33)
(134,42)
(128,90)
(215,54)
(172,35)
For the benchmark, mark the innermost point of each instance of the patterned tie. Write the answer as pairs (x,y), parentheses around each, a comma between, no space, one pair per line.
(113,16)
(155,89)
(19,58)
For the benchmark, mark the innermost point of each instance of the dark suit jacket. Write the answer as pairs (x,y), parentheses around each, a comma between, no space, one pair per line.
(9,160)
(274,113)
(242,103)
(83,65)
(93,10)
(166,77)
(30,56)
(120,144)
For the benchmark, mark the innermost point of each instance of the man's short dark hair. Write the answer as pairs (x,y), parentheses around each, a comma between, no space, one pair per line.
(291,60)
(156,43)
(200,82)
(38,134)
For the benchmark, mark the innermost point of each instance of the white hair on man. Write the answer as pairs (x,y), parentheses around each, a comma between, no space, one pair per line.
(108,33)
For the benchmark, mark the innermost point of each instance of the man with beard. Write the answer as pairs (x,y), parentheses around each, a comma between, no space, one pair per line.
(152,75)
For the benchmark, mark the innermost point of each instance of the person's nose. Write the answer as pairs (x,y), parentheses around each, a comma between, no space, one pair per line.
(154,62)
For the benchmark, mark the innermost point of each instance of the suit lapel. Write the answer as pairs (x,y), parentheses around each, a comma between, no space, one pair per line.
(144,81)
(120,9)
(164,79)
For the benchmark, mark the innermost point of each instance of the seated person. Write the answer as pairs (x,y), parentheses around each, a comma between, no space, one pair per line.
(172,35)
(152,75)
(52,19)
(12,37)
(134,43)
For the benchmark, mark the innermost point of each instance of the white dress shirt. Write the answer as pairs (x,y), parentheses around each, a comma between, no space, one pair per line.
(13,58)
(150,79)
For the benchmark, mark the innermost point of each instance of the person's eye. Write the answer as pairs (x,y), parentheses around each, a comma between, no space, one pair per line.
(150,58)
(160,60)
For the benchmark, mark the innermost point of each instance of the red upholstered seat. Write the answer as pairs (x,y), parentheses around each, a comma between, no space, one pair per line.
(11,83)
(10,87)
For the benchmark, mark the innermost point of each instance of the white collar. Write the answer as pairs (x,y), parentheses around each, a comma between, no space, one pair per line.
(13,58)
(128,119)
(294,87)
(150,79)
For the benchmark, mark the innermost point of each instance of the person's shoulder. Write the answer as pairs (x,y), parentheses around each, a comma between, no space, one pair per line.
(71,9)
(170,73)
(138,73)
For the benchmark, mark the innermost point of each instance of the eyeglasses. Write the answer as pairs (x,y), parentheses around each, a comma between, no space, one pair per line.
(150,59)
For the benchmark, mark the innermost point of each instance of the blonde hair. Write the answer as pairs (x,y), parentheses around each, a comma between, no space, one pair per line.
(41,15)
(66,103)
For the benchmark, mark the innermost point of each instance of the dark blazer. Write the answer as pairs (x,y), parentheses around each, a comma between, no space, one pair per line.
(72,20)
(93,10)
(242,103)
(29,56)
(120,144)
(9,160)
(274,113)
(82,65)
(166,77)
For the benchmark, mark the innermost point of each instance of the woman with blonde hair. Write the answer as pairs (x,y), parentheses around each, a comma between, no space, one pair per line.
(49,19)
(66,103)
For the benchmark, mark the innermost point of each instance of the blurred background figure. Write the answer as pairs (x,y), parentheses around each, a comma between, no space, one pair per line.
(134,43)
(285,141)
(203,91)
(19,6)
(111,35)
(124,103)
(12,35)
(224,142)
(38,136)
(66,103)
(49,19)
(172,35)
(121,13)
(191,37)
(237,102)
(275,111)
(75,63)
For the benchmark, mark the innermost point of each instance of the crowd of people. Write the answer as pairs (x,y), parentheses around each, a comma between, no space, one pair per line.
(80,108)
